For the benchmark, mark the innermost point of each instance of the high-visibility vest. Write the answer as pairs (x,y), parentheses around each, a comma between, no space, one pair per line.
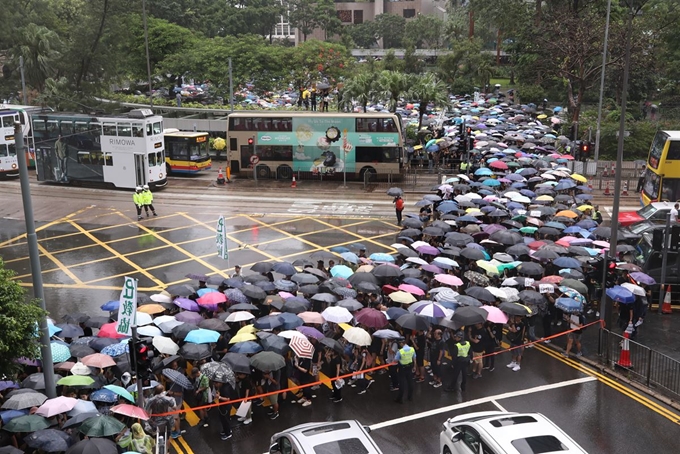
(463,349)
(138,198)
(406,356)
(147,197)
(463,165)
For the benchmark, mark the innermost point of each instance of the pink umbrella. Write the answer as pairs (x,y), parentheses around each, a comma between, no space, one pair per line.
(58,405)
(212,298)
(495,315)
(311,317)
(130,410)
(301,347)
(371,318)
(109,330)
(286,295)
(448,279)
(98,360)
(602,244)
(411,289)
(499,165)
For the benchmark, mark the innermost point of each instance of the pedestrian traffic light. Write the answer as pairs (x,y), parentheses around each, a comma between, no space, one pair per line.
(251,141)
(143,356)
(468,131)
(585,150)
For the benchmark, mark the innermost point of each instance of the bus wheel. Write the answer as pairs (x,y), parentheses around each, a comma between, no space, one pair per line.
(168,169)
(284,172)
(262,171)
(368,174)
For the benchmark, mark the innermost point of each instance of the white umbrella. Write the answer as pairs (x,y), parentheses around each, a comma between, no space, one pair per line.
(387,334)
(634,289)
(291,333)
(158,321)
(521,199)
(417,260)
(498,293)
(80,369)
(417,244)
(357,336)
(511,295)
(336,314)
(149,331)
(240,316)
(161,298)
(142,319)
(165,345)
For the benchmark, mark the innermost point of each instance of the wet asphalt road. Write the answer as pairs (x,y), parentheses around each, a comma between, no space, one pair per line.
(89,240)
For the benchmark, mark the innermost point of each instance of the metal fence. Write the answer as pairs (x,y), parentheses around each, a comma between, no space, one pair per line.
(642,364)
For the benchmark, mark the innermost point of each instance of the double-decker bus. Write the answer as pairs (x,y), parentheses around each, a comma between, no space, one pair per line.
(25,113)
(123,151)
(186,152)
(9,164)
(282,143)
(662,175)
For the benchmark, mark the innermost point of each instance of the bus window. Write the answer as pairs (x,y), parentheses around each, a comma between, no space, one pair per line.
(109,129)
(39,129)
(159,157)
(124,130)
(651,187)
(262,124)
(8,121)
(369,154)
(388,125)
(149,129)
(3,150)
(66,127)
(137,129)
(11,149)
(52,129)
(108,159)
(157,128)
(656,151)
(673,150)
(84,157)
(275,152)
(367,125)
(152,159)
(82,128)
(670,190)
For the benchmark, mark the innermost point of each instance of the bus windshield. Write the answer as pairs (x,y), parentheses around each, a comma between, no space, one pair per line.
(652,184)
(644,248)
(656,151)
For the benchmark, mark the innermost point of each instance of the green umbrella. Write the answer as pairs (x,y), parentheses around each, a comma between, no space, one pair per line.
(76,380)
(27,423)
(101,426)
(529,230)
(121,392)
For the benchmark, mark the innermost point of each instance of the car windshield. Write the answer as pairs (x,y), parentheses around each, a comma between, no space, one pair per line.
(644,248)
(640,227)
(647,212)
(538,445)
(347,446)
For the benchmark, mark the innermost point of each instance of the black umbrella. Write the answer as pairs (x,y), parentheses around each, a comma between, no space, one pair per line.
(546,254)
(303,263)
(507,237)
(603,232)
(356,278)
(254,292)
(446,323)
(395,192)
(517,250)
(101,343)
(195,352)
(367,287)
(325,298)
(386,271)
(332,343)
(240,307)
(178,378)
(468,315)
(34,381)
(576,285)
(219,372)
(48,440)
(413,273)
(80,351)
(122,366)
(13,450)
(255,278)
(79,419)
(267,361)
(433,231)
(406,252)
(350,304)
(532,297)
(412,223)
(530,269)
(97,322)
(69,330)
(309,289)
(284,268)
(233,282)
(465,300)
(410,233)
(514,309)
(548,231)
(305,278)
(238,362)
(316,272)
(414,322)
(94,446)
(472,254)
(477,278)
(214,324)
(294,306)
(181,331)
(273,343)
(480,293)
(458,239)
(262,267)
(285,285)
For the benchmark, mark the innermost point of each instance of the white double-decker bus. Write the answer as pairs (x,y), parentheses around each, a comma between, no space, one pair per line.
(124,151)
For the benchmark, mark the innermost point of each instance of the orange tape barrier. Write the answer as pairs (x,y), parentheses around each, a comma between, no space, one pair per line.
(352,374)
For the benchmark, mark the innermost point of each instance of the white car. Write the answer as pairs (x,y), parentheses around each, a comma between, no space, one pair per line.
(332,437)
(497,432)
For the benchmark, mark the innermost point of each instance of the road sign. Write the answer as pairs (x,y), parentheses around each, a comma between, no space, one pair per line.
(254,159)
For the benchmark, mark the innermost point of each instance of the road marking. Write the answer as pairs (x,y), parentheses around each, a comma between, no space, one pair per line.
(483,400)
(59,265)
(45,226)
(187,449)
(499,406)
(335,208)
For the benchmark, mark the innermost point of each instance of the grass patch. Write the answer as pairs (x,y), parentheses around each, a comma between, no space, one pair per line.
(505,82)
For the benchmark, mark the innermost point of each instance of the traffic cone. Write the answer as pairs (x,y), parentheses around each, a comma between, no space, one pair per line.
(606,189)
(666,306)
(624,359)
(294,183)
(220,176)
(625,188)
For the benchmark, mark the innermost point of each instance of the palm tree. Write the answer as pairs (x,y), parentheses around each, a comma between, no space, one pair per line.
(360,88)
(392,85)
(38,45)
(426,89)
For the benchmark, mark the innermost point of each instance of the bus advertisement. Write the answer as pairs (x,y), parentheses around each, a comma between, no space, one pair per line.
(662,175)
(319,143)
(186,152)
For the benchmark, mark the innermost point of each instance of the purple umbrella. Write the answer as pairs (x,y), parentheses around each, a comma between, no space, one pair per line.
(189,317)
(6,384)
(643,278)
(186,304)
(493,228)
(310,332)
(429,250)
(432,269)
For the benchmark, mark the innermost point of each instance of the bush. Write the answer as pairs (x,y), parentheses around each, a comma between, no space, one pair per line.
(531,93)
(462,86)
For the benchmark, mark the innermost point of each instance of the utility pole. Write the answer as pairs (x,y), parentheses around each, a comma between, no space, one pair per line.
(231,88)
(604,65)
(24,95)
(34,258)
(148,60)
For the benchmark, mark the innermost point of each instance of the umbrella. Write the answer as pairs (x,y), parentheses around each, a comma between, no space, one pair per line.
(312,317)
(109,331)
(69,330)
(94,446)
(495,315)
(195,352)
(82,406)
(115,349)
(302,347)
(478,279)
(56,406)
(402,297)
(119,390)
(60,352)
(101,426)
(104,395)
(98,360)
(12,450)
(357,336)
(35,381)
(254,292)
(202,336)
(187,304)
(350,304)
(50,440)
(219,372)
(268,322)
(76,380)
(289,321)
(284,268)
(238,362)
(643,278)
(569,305)
(79,419)
(621,294)
(387,334)
(430,309)
(575,285)
(372,318)
(131,411)
(267,361)
(262,267)
(239,316)
(310,332)
(26,423)
(394,192)
(165,345)
(181,331)
(336,314)
(515,309)
(449,279)
(246,348)
(469,315)
(414,322)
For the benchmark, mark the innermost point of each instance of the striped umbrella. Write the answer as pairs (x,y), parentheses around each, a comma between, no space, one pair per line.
(302,347)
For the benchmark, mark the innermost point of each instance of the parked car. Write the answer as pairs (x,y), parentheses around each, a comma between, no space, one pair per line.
(655,212)
(497,432)
(332,437)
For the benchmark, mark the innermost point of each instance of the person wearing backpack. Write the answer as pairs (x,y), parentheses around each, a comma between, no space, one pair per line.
(576,322)
(399,207)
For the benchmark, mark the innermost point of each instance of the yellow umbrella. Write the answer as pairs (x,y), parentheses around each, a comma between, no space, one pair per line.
(242,337)
(579,178)
(545,198)
(567,213)
(365,269)
(585,207)
(417,147)
(402,297)
(151,309)
(488,267)
(248,329)
(542,116)
(344,326)
(472,210)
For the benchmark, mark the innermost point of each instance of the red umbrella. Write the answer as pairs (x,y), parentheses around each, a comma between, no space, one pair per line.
(130,410)
(109,330)
(301,347)
(551,280)
(499,165)
(371,318)
(212,298)
(535,245)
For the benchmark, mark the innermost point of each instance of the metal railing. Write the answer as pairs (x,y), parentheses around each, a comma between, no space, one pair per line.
(643,365)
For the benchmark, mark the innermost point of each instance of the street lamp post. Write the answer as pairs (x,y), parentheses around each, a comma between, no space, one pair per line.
(146,46)
(604,66)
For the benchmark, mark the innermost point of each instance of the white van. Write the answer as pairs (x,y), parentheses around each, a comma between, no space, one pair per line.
(334,437)
(497,432)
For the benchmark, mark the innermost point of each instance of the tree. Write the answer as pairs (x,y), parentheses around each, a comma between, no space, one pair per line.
(426,88)
(361,89)
(392,85)
(425,32)
(303,16)
(327,18)
(390,28)
(18,324)
(39,47)
(364,35)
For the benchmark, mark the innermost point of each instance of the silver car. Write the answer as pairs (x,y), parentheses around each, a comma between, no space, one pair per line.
(335,437)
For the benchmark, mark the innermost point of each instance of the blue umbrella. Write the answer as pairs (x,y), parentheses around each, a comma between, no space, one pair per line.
(350,257)
(381,257)
(447,207)
(567,262)
(202,336)
(492,183)
(568,305)
(104,395)
(246,348)
(289,320)
(119,390)
(564,185)
(267,322)
(116,349)
(572,229)
(53,329)
(342,271)
(235,295)
(8,384)
(573,294)
(621,295)
(556,225)
(203,291)
(111,306)
(60,352)
(339,249)
(483,171)
(395,312)
(9,415)
(584,196)
(468,218)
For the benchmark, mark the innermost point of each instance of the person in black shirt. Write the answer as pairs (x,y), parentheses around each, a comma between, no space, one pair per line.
(333,364)
(491,343)
(436,356)
(304,369)
(516,335)
(419,345)
(225,394)
(476,337)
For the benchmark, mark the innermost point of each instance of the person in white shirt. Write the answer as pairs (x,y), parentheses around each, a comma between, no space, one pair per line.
(674,213)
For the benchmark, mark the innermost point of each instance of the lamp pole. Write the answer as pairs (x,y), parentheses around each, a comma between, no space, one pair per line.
(146,46)
(604,65)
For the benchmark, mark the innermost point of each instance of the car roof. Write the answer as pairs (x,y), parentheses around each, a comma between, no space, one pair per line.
(313,434)
(662,205)
(506,427)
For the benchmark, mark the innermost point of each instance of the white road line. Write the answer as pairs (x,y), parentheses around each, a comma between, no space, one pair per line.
(480,401)
(499,406)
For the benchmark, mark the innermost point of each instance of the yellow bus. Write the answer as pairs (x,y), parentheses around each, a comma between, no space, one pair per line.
(662,176)
(186,152)
(280,143)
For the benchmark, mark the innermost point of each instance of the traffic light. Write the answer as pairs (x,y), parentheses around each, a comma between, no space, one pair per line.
(143,356)
(585,150)
(251,141)
(468,131)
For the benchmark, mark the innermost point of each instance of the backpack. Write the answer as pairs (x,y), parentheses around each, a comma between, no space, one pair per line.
(400,204)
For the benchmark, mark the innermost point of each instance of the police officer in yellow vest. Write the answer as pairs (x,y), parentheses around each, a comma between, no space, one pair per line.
(460,352)
(406,362)
(147,198)
(138,199)
(463,166)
